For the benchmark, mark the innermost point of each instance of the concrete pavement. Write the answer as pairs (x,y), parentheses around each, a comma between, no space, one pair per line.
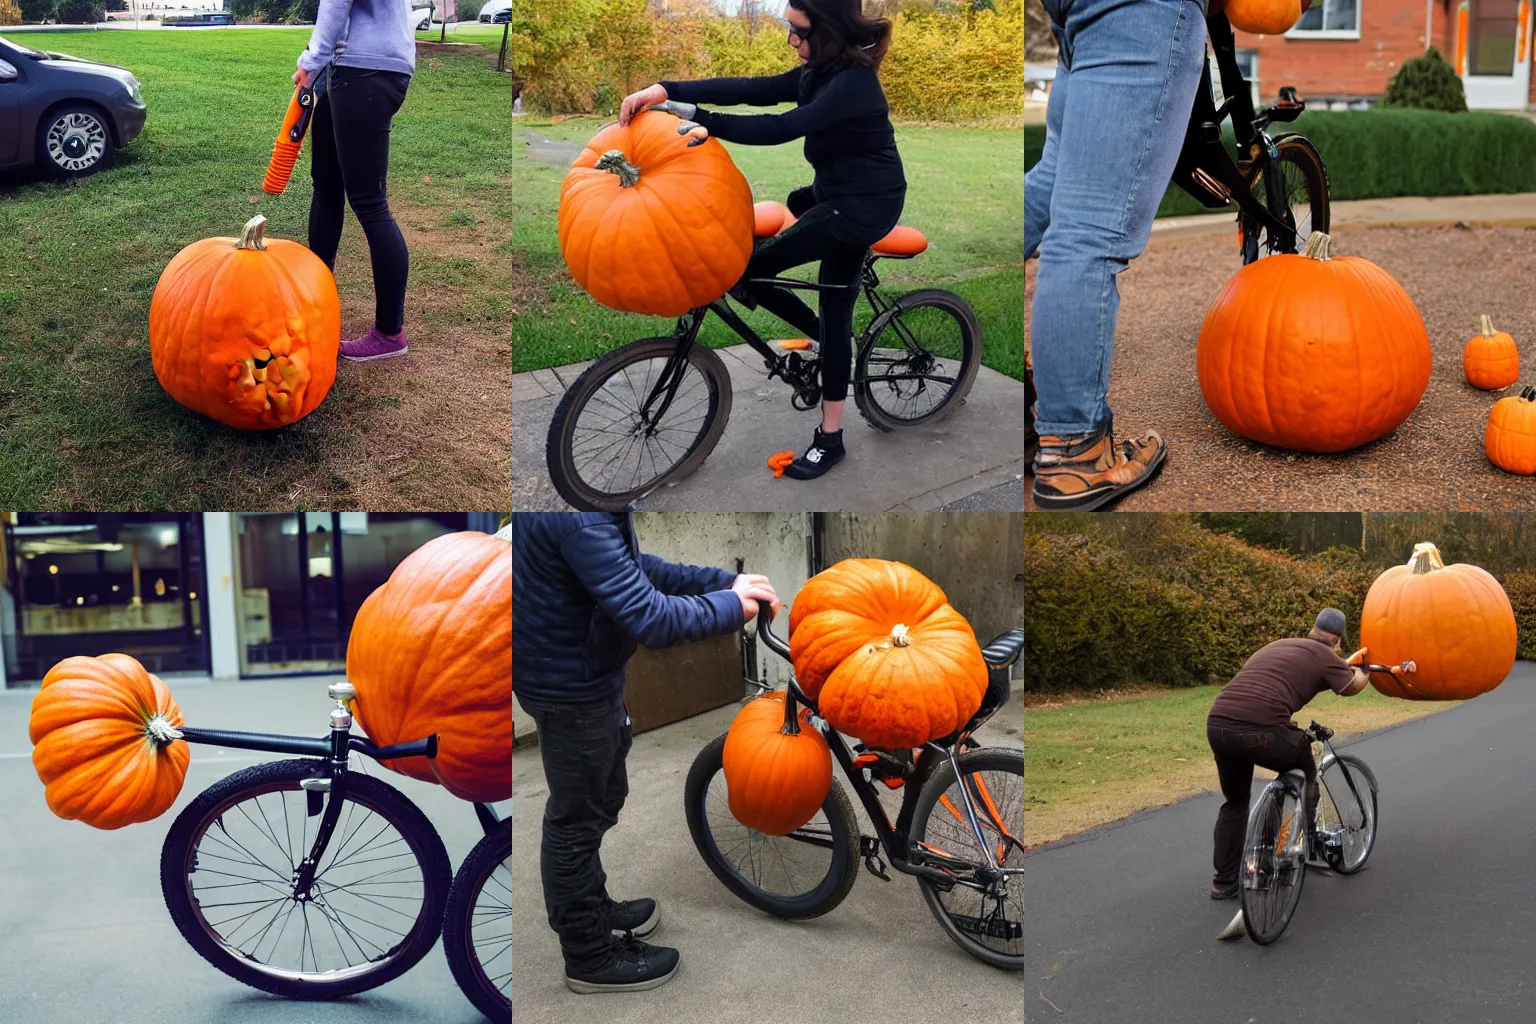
(879,955)
(1518,209)
(84,934)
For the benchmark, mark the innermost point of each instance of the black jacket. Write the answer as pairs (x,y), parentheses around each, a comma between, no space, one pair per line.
(583,595)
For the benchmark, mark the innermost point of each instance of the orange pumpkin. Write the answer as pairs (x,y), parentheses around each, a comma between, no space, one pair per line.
(1311,352)
(778,769)
(1490,359)
(649,224)
(878,647)
(1264,17)
(431,652)
(104,731)
(246,330)
(1510,437)
(1454,621)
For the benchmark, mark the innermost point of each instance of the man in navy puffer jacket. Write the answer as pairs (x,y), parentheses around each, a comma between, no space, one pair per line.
(583,597)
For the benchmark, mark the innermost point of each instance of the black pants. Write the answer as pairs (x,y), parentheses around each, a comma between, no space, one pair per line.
(584,746)
(349,161)
(1239,746)
(818,234)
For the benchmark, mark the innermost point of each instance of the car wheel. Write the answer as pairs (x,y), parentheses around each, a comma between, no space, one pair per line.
(73,141)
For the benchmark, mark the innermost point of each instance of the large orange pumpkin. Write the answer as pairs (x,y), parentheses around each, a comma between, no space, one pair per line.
(246,330)
(1510,437)
(877,646)
(1490,359)
(777,768)
(1264,17)
(649,224)
(105,734)
(1454,621)
(1311,352)
(431,652)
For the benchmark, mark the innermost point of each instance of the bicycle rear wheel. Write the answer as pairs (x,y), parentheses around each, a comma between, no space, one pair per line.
(1304,182)
(918,360)
(477,925)
(1346,813)
(1272,870)
(605,449)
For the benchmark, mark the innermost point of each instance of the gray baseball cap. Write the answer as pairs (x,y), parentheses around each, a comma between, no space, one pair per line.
(1331,620)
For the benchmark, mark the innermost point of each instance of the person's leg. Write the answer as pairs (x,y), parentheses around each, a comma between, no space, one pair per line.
(327,207)
(1132,67)
(803,242)
(1235,770)
(364,104)
(841,266)
(1038,181)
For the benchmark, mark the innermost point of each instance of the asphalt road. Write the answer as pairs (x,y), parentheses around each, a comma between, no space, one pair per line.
(1440,927)
(84,934)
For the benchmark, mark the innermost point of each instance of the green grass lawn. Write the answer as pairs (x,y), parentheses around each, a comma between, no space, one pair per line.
(965,192)
(467,32)
(83,422)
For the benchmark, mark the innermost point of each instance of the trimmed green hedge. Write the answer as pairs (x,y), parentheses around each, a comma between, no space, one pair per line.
(1391,152)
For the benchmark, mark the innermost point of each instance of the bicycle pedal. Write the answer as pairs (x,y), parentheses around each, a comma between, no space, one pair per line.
(869,848)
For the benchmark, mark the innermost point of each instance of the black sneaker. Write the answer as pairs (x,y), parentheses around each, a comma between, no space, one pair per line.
(826,451)
(630,966)
(1228,893)
(638,917)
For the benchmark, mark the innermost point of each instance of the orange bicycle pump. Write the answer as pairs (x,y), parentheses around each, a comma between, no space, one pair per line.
(285,151)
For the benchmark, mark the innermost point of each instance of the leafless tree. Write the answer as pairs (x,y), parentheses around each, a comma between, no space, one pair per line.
(751,13)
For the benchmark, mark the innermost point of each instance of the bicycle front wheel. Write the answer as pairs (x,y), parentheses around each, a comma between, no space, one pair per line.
(918,360)
(611,444)
(477,926)
(228,866)
(983,915)
(1304,182)
(1272,871)
(1346,813)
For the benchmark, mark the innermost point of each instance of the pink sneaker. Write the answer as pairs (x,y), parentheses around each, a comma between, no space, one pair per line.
(374,345)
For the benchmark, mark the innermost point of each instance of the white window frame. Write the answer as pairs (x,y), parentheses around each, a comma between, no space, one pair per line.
(1253,79)
(1328,33)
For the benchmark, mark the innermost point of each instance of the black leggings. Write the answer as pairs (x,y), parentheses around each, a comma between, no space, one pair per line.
(349,161)
(812,237)
(1239,746)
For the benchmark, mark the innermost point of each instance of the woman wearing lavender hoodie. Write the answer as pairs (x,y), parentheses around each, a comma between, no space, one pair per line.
(367,51)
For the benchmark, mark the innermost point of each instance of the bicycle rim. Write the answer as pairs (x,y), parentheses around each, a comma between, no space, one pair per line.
(781,867)
(368,898)
(921,363)
(1306,189)
(1347,813)
(1270,875)
(490,938)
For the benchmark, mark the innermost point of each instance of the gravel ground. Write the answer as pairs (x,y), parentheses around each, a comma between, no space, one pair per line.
(1434,461)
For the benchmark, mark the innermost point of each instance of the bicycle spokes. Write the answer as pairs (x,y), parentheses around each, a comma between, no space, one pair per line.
(788,865)
(491,927)
(639,423)
(916,361)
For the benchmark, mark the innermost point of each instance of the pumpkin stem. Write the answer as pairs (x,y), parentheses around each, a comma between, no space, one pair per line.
(1487,326)
(613,161)
(1528,393)
(1318,247)
(1426,559)
(791,719)
(899,637)
(251,236)
(160,731)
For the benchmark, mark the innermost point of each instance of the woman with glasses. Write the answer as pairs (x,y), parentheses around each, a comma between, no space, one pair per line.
(854,199)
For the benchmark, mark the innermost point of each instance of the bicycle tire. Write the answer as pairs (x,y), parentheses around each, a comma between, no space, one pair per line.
(382,799)
(1298,151)
(491,852)
(971,762)
(865,388)
(1273,796)
(558,453)
(1363,777)
(842,872)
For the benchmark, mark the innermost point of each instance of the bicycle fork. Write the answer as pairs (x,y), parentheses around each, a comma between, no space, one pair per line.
(334,783)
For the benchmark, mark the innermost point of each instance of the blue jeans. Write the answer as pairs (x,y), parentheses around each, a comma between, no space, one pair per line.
(1118,111)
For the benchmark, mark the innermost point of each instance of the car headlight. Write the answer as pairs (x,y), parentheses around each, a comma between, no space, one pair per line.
(133,90)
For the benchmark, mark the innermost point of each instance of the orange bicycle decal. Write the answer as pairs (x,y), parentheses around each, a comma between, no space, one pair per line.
(1285,832)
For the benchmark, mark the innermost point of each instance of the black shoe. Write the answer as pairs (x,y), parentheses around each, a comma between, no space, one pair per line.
(826,451)
(638,917)
(630,966)
(1228,893)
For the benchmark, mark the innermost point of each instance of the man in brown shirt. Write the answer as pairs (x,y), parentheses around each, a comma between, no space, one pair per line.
(1250,724)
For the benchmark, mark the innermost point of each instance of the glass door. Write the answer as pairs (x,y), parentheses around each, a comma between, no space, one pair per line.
(1494,53)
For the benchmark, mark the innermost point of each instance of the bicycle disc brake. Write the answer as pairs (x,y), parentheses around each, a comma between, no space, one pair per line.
(869,847)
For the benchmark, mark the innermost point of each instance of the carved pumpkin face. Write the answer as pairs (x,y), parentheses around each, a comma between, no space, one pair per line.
(1510,438)
(246,331)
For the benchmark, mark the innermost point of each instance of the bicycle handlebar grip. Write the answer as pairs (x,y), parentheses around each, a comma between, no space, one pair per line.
(290,139)
(415,748)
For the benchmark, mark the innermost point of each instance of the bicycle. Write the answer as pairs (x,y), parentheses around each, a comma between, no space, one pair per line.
(1270,178)
(968,858)
(1275,853)
(341,888)
(626,426)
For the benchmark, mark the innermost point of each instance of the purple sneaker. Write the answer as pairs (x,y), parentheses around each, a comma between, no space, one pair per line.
(374,345)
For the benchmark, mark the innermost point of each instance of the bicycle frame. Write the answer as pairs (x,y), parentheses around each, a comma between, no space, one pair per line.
(895,838)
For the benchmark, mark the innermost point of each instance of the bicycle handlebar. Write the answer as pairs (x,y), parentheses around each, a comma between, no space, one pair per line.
(306,745)
(773,643)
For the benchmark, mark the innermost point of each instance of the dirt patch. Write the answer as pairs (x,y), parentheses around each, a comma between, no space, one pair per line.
(552,151)
(479,51)
(1434,461)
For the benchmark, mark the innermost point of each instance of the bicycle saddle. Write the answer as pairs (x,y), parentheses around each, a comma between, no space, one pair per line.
(1004,649)
(770,217)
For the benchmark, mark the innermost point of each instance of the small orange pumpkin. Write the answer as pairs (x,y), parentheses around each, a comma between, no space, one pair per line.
(1510,437)
(1264,17)
(1454,621)
(778,769)
(1490,359)
(246,330)
(1312,352)
(105,734)
(877,646)
(649,224)
(431,652)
